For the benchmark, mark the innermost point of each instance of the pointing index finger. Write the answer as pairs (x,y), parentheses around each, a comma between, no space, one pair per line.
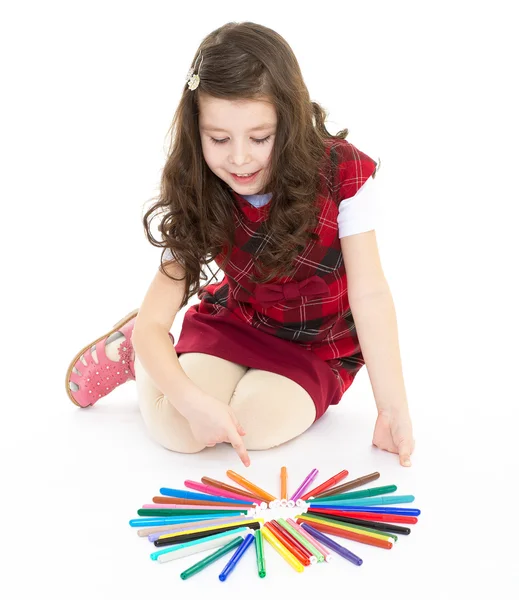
(239,446)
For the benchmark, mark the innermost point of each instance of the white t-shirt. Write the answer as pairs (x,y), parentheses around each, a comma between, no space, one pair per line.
(358,213)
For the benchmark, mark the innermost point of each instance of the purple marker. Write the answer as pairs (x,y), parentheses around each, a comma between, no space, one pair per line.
(306,482)
(326,541)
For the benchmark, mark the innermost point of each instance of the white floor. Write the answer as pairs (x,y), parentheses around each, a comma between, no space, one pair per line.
(429,92)
(76,476)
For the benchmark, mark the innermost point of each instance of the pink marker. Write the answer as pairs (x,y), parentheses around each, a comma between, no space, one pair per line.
(209,489)
(306,482)
(327,556)
(199,507)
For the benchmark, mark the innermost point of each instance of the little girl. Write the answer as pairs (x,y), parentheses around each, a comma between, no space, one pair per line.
(255,183)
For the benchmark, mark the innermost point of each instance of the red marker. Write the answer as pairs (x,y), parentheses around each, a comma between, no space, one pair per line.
(327,484)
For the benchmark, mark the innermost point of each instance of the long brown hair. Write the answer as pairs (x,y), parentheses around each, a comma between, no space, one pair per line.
(241,61)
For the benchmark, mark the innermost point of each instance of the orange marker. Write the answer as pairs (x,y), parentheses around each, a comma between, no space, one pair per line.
(283,483)
(250,486)
(327,484)
(350,535)
(229,488)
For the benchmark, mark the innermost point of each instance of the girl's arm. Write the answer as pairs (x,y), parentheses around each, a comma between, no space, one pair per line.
(210,420)
(151,340)
(374,315)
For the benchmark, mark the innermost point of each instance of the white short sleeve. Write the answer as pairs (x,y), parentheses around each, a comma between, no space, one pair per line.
(357,214)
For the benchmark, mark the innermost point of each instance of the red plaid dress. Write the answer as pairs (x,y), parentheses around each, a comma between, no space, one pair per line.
(300,327)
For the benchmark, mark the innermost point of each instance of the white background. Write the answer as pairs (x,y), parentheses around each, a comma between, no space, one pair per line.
(89,91)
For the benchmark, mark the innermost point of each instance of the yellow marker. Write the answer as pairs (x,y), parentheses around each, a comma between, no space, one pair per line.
(288,556)
(213,528)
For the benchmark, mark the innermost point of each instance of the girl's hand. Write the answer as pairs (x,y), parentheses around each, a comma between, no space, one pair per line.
(394,433)
(213,422)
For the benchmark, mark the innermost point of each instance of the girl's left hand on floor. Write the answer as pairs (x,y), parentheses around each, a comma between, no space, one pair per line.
(394,433)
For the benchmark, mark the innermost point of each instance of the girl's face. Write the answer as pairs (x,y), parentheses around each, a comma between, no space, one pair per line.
(237,138)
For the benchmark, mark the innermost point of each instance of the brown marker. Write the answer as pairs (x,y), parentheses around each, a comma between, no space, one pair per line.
(351,485)
(171,500)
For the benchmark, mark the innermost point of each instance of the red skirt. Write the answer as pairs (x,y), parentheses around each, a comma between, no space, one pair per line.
(226,336)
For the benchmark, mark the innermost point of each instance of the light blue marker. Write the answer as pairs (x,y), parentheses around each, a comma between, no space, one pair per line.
(153,521)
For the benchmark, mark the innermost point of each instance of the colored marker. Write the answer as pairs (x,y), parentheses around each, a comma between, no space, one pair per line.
(172,500)
(209,489)
(351,535)
(204,527)
(145,531)
(205,562)
(197,496)
(349,486)
(229,567)
(280,549)
(327,484)
(156,535)
(245,511)
(370,492)
(341,550)
(327,555)
(154,521)
(297,549)
(196,546)
(231,488)
(171,512)
(354,528)
(409,512)
(378,500)
(302,540)
(304,485)
(372,524)
(185,536)
(283,483)
(260,554)
(250,486)
(369,516)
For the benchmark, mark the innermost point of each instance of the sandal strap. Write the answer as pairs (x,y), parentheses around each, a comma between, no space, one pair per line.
(97,379)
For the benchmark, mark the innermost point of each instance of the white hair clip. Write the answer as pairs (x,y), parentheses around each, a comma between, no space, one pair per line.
(193,78)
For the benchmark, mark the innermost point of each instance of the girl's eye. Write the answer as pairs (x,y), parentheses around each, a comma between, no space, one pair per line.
(215,141)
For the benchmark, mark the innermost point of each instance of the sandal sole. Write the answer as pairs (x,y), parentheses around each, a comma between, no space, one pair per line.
(116,327)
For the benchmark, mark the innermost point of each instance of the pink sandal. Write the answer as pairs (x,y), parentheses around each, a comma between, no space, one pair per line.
(97,379)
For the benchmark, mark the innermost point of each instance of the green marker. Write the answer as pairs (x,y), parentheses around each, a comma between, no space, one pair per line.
(308,545)
(376,491)
(205,562)
(260,556)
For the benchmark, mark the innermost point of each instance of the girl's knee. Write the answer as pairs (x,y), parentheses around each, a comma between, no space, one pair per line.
(169,428)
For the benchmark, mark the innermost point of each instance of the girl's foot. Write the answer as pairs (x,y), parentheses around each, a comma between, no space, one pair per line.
(103,365)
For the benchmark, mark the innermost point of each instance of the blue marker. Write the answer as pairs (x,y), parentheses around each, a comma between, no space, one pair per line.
(327,541)
(371,501)
(240,551)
